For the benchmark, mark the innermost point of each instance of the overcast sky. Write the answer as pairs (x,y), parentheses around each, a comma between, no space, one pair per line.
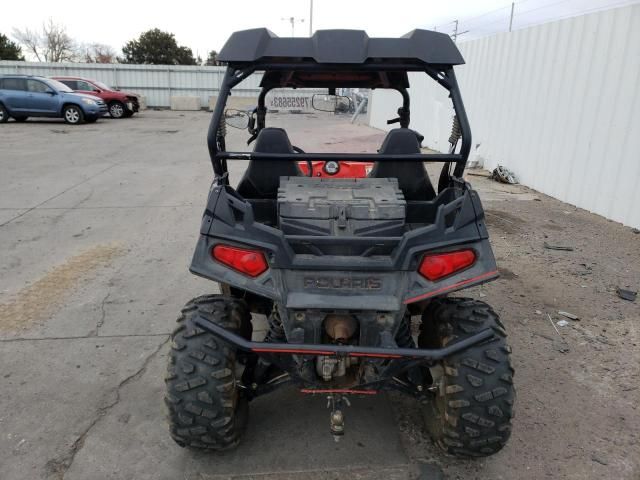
(203,26)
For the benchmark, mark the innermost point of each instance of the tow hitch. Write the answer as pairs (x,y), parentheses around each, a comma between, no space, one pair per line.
(336,402)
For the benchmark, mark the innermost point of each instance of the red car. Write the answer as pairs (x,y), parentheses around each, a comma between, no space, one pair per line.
(120,104)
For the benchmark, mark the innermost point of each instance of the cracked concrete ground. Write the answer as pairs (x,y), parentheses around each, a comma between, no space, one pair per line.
(97,227)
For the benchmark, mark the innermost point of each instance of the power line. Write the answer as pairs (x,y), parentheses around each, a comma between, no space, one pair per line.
(467,20)
(488,13)
(518,16)
(585,12)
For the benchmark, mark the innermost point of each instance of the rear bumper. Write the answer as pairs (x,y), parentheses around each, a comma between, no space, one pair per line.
(343,350)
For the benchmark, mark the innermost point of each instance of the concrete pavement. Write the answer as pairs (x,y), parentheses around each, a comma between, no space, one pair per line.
(98,226)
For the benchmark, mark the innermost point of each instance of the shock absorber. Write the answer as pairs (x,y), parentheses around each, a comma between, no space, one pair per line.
(445,174)
(275,334)
(403,336)
(456,133)
(404,339)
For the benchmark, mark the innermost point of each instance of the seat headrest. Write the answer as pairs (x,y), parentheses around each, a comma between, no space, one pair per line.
(400,141)
(273,140)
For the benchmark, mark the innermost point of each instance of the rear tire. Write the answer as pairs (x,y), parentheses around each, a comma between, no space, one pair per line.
(4,114)
(73,115)
(206,407)
(470,414)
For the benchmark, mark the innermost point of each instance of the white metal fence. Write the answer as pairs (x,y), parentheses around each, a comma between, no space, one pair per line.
(557,103)
(158,83)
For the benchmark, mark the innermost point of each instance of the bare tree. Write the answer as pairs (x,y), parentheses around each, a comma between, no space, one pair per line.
(52,44)
(58,44)
(98,53)
(30,40)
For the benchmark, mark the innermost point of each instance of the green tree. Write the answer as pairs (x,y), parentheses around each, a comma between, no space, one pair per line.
(156,47)
(212,59)
(9,50)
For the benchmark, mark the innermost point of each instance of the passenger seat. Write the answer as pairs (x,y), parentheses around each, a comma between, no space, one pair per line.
(412,177)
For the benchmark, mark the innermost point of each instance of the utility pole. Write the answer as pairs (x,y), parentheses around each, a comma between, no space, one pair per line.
(455,33)
(513,4)
(310,17)
(292,21)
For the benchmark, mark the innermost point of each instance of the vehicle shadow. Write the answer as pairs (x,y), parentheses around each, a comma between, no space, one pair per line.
(289,432)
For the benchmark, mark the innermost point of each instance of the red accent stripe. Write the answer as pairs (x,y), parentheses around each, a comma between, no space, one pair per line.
(451,287)
(339,390)
(322,352)
(292,350)
(376,355)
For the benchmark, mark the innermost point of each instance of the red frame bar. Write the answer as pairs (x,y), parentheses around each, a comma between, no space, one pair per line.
(338,390)
(322,352)
(377,355)
(291,350)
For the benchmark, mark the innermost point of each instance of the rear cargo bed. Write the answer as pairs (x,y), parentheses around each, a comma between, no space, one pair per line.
(341,207)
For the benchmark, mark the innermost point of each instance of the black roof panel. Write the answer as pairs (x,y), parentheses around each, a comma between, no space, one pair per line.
(261,46)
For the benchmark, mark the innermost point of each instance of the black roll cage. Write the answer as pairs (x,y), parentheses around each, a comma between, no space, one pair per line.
(443,74)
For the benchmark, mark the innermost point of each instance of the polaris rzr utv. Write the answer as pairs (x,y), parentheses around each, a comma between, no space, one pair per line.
(341,265)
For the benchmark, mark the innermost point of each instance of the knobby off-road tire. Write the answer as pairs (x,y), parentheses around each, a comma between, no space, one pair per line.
(471,412)
(206,409)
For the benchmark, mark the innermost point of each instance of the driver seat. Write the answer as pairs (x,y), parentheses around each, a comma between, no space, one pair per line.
(262,177)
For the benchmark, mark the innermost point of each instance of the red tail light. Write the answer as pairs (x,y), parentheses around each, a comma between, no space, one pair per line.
(440,265)
(249,262)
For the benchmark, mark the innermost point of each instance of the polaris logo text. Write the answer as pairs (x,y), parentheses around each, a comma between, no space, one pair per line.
(343,283)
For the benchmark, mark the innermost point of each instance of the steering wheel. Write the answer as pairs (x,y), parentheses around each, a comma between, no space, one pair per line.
(309,164)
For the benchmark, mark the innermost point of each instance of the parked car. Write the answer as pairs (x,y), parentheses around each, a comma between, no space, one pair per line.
(23,96)
(120,104)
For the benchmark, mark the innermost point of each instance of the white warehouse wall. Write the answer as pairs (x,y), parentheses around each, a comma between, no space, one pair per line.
(557,103)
